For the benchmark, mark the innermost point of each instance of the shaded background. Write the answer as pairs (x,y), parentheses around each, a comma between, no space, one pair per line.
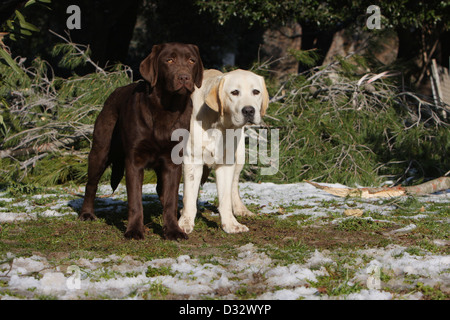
(241,33)
(125,31)
(333,127)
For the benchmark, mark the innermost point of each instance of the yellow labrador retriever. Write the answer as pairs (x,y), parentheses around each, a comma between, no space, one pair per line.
(221,107)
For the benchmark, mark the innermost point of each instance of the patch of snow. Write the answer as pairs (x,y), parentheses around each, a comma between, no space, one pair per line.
(318,258)
(292,275)
(191,279)
(370,294)
(13,216)
(291,294)
(121,277)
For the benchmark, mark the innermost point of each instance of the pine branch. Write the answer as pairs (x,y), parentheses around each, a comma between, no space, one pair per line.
(81,52)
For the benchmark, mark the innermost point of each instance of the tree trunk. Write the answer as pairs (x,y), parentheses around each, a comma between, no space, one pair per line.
(277,43)
(383,47)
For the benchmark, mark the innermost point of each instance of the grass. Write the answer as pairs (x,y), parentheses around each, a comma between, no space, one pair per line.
(68,234)
(286,237)
(338,283)
(431,293)
(361,224)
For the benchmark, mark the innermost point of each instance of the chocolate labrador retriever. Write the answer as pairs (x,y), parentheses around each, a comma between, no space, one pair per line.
(133,132)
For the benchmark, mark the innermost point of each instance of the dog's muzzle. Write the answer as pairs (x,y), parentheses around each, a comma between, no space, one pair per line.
(249,113)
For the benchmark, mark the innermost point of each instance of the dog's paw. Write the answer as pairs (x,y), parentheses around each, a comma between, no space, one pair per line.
(186,224)
(174,234)
(135,233)
(234,227)
(244,212)
(87,216)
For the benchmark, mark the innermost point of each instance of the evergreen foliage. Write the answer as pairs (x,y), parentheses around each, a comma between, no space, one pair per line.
(338,123)
(342,124)
(47,121)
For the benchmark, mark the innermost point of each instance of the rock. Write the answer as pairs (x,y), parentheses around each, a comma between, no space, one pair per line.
(353,212)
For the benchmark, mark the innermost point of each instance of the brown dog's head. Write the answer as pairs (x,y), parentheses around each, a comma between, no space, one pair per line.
(175,67)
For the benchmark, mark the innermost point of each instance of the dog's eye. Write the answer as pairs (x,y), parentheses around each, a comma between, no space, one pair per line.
(191,61)
(170,60)
(235,92)
(256,92)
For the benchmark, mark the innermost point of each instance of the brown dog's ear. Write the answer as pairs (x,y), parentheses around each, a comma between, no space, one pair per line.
(149,66)
(265,98)
(198,76)
(215,98)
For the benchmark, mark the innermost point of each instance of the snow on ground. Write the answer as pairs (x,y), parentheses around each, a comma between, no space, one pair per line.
(186,277)
(268,196)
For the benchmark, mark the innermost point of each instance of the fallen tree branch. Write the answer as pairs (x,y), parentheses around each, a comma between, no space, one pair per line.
(47,147)
(440,184)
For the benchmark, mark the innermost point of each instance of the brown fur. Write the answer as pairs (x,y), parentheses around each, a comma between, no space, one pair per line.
(133,132)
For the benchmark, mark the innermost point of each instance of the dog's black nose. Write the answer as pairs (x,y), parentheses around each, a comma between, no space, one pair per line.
(248,112)
(184,77)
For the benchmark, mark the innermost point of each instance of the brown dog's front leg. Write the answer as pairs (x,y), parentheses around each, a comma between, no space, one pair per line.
(169,177)
(134,179)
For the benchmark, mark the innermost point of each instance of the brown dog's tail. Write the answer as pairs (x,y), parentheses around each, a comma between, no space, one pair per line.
(118,168)
(206,171)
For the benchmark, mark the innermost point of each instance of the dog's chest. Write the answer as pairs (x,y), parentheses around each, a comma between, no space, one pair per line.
(158,127)
(164,123)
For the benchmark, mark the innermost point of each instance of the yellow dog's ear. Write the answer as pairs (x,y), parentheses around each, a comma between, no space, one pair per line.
(265,98)
(215,97)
